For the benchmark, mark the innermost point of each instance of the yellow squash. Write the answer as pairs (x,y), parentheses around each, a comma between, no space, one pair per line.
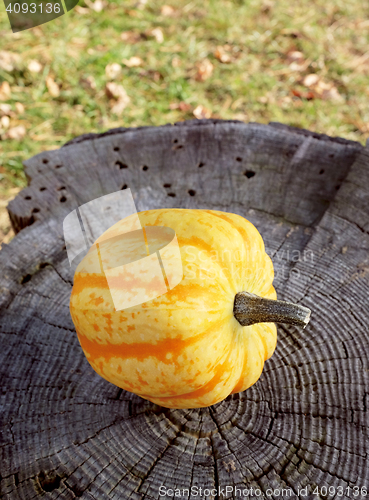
(185,348)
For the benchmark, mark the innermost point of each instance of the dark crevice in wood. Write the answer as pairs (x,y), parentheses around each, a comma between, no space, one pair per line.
(49,481)
(121,164)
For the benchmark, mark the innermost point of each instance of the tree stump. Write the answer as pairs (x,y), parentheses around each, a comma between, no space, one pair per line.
(302,428)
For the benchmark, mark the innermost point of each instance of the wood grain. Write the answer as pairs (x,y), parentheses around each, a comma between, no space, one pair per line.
(67,433)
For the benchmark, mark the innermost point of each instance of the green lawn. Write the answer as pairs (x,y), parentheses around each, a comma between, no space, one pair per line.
(302,63)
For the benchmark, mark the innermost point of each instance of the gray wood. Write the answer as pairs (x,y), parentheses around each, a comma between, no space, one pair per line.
(67,433)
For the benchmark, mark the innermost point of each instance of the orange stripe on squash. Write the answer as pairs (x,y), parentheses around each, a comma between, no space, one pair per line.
(155,346)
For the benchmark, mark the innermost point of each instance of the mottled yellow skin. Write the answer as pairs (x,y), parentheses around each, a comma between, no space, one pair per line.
(184,349)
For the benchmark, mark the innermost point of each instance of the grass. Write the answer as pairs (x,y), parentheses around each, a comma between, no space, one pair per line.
(257,56)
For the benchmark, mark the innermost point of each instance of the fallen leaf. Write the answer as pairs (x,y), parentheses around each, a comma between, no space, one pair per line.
(5,110)
(310,80)
(328,92)
(88,82)
(81,10)
(15,133)
(115,91)
(157,34)
(130,37)
(182,106)
(297,61)
(5,121)
(120,105)
(176,62)
(222,55)
(5,92)
(133,62)
(19,108)
(204,70)
(266,6)
(321,89)
(303,95)
(52,87)
(295,56)
(96,6)
(113,70)
(167,10)
(200,112)
(9,60)
(140,5)
(267,99)
(79,42)
(133,13)
(34,66)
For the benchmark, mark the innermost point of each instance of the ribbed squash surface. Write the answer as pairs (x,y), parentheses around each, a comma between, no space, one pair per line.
(184,349)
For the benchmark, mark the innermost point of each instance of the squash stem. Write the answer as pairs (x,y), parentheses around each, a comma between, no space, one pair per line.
(249,309)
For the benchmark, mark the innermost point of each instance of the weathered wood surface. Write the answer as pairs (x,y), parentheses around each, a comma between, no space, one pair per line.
(67,433)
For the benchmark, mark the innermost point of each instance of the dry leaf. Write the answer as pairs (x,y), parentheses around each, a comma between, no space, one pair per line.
(9,60)
(52,87)
(266,6)
(295,56)
(5,110)
(140,5)
(96,6)
(15,133)
(297,61)
(120,99)
(120,106)
(34,66)
(222,55)
(88,83)
(321,89)
(5,91)
(328,92)
(19,108)
(81,10)
(267,99)
(176,62)
(303,95)
(204,70)
(167,10)
(5,121)
(310,80)
(133,62)
(79,42)
(130,37)
(115,91)
(200,112)
(113,70)
(182,106)
(157,34)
